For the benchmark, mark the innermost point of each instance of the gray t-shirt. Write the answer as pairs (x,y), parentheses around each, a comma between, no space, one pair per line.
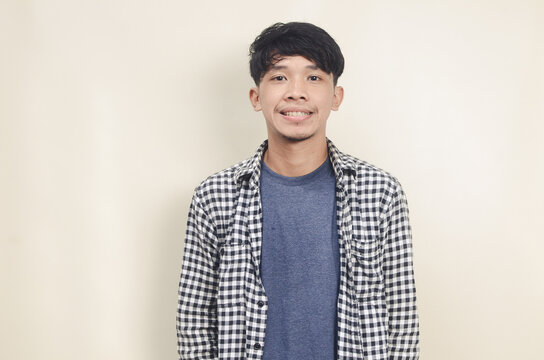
(300,264)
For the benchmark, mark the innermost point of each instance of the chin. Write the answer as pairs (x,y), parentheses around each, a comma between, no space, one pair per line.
(296,138)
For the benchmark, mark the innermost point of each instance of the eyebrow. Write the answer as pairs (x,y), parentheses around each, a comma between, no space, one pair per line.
(282,67)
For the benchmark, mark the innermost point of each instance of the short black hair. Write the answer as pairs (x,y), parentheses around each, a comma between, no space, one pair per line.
(295,38)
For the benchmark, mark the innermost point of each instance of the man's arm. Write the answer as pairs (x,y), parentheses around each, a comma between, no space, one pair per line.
(197,304)
(403,340)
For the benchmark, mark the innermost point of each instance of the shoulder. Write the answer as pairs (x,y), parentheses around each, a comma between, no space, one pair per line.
(367,174)
(368,177)
(227,181)
(371,187)
(224,181)
(224,176)
(374,189)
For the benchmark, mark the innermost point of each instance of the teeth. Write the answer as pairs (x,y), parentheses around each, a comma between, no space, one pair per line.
(296,113)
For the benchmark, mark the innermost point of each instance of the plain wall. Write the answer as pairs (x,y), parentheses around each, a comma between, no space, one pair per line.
(112,112)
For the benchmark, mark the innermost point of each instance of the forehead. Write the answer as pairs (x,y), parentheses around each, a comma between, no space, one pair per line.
(295,62)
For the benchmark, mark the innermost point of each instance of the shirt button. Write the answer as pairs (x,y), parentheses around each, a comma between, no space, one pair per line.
(257,346)
(260,303)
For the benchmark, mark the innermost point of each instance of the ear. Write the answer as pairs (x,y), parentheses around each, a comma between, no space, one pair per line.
(338,97)
(254,98)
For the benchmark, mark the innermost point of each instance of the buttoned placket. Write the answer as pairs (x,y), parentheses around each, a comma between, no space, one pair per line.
(256,310)
(345,236)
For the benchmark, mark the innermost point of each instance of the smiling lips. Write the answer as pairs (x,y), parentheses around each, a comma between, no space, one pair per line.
(296,115)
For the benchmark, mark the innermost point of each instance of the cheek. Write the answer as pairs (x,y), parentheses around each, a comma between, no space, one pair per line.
(325,98)
(269,105)
(326,104)
(265,101)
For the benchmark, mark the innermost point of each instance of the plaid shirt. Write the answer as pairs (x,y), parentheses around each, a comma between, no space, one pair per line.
(222,305)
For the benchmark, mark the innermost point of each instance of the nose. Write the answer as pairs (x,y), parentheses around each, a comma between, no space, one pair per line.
(296,90)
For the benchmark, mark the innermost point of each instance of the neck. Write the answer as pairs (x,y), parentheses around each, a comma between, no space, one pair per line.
(296,158)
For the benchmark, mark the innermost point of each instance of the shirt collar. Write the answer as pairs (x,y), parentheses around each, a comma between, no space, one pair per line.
(342,164)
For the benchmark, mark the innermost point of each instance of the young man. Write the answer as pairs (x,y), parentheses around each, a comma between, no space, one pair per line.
(299,252)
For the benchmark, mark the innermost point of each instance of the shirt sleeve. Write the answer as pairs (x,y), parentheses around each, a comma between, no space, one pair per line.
(197,296)
(403,339)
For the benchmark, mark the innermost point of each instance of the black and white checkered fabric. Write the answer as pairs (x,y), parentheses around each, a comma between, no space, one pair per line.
(222,305)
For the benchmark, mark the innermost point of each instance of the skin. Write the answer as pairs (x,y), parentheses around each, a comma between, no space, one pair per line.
(296,142)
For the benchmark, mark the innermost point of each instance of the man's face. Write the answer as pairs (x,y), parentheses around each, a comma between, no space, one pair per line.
(296,99)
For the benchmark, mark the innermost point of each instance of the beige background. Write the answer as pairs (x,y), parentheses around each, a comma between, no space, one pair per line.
(113,111)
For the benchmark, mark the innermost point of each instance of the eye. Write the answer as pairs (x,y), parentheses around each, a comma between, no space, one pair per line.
(313,77)
(278,77)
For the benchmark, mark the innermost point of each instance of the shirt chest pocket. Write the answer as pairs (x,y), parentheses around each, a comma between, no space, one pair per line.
(366,268)
(233,268)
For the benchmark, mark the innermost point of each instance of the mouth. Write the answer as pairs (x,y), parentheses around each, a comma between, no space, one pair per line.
(296,115)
